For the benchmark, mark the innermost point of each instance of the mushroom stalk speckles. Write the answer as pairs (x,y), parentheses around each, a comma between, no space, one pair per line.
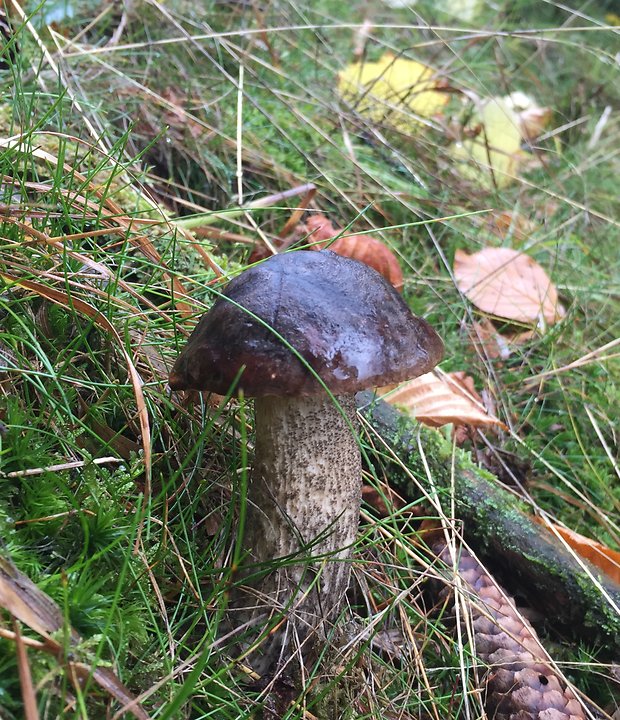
(303,505)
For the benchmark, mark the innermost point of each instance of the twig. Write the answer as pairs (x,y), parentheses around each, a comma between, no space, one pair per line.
(62,466)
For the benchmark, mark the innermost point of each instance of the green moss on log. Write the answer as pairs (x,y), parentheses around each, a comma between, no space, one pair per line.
(524,555)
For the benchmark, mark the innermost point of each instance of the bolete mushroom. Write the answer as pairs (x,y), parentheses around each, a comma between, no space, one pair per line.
(284,331)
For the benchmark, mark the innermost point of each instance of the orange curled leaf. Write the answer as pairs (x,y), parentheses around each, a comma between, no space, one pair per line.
(373,252)
(599,555)
(320,229)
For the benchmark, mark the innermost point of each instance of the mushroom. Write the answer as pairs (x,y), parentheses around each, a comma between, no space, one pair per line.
(286,332)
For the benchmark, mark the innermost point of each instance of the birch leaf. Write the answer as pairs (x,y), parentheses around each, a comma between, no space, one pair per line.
(393,90)
(507,284)
(435,401)
(464,10)
(492,159)
(533,118)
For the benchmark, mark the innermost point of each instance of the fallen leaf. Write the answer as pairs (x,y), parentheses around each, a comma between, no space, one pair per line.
(319,229)
(377,501)
(598,554)
(490,343)
(23,599)
(438,401)
(393,90)
(492,159)
(487,341)
(507,223)
(533,118)
(365,248)
(372,252)
(519,338)
(507,284)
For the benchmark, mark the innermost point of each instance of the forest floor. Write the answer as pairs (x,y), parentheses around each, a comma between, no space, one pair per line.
(146,149)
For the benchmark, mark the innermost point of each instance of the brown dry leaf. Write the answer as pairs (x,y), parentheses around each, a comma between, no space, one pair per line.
(435,402)
(319,228)
(373,497)
(490,343)
(602,557)
(520,338)
(487,342)
(506,223)
(365,248)
(374,253)
(507,284)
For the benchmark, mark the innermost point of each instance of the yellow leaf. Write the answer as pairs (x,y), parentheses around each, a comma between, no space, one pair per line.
(435,402)
(533,118)
(492,159)
(393,90)
(508,284)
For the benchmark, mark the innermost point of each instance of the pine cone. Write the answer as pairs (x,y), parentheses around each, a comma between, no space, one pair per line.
(521,683)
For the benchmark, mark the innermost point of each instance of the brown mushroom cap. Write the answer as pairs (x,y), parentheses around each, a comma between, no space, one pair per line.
(351,327)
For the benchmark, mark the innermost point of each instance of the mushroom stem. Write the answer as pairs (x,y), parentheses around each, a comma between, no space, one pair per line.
(303,504)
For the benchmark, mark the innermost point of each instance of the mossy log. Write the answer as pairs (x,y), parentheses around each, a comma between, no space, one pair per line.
(525,556)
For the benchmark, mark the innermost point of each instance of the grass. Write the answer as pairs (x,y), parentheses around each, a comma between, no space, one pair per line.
(100,279)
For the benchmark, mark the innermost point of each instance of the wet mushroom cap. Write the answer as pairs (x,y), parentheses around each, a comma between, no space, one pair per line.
(347,323)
